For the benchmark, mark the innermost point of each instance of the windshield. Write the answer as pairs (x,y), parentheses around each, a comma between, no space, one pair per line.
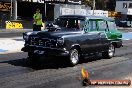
(70,23)
(111,25)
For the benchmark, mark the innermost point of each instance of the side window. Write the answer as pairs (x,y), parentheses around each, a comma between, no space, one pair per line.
(86,27)
(102,25)
(130,5)
(124,5)
(92,25)
(81,23)
(111,25)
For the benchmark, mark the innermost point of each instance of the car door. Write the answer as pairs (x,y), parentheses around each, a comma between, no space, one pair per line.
(92,38)
(103,29)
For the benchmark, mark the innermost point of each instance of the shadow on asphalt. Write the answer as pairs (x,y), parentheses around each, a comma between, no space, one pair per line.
(49,63)
(40,64)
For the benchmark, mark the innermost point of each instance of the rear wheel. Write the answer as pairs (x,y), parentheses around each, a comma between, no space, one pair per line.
(110,53)
(74,57)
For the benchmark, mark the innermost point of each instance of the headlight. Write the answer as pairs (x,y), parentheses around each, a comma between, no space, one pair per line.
(60,41)
(25,36)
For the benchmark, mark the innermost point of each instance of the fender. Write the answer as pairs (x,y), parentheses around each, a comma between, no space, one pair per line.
(77,46)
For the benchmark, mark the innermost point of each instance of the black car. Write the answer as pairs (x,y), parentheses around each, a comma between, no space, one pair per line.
(68,37)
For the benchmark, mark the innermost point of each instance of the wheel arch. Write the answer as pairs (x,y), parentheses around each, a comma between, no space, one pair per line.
(76,46)
(114,44)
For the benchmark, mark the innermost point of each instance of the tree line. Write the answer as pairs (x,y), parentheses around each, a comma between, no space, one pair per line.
(101,4)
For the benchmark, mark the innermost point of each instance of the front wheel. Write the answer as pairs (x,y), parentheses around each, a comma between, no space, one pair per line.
(32,57)
(110,53)
(74,57)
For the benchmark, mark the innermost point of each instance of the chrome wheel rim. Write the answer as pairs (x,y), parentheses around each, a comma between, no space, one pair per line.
(74,56)
(111,50)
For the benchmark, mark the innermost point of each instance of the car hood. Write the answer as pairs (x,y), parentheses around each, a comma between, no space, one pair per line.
(47,34)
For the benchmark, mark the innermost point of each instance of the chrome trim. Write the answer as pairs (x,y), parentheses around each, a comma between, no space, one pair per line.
(43,42)
(44,47)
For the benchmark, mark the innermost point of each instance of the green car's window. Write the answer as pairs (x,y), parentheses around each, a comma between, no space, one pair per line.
(92,25)
(111,25)
(102,25)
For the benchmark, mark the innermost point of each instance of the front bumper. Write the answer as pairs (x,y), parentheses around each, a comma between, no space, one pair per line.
(46,51)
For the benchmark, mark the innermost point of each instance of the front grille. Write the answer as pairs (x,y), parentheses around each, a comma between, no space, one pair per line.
(45,42)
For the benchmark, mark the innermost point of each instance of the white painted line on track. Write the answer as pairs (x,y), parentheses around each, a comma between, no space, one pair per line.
(11,46)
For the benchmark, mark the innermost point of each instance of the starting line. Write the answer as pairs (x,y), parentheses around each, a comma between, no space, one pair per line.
(10,45)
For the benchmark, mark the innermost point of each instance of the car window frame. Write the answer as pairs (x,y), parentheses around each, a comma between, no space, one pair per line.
(96,29)
(86,24)
(106,29)
(109,27)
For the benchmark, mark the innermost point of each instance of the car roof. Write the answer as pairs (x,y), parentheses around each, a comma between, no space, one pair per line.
(88,17)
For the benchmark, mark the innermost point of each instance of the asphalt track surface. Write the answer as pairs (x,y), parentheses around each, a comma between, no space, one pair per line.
(54,72)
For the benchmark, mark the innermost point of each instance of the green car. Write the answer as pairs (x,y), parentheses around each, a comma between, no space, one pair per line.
(107,25)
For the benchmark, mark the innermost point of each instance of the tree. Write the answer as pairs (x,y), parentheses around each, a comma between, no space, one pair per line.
(111,4)
(101,4)
(88,3)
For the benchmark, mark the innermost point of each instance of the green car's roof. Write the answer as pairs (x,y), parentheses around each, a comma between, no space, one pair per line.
(88,17)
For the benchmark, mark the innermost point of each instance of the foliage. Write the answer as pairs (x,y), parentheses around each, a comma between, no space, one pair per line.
(101,4)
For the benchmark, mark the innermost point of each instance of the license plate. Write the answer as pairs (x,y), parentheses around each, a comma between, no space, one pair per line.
(38,51)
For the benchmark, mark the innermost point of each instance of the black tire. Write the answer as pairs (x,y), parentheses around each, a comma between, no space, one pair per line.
(74,57)
(32,57)
(110,53)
